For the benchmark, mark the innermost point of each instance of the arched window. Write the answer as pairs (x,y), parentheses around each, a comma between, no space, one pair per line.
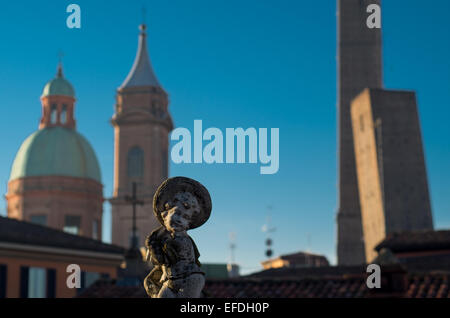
(53,114)
(64,114)
(135,162)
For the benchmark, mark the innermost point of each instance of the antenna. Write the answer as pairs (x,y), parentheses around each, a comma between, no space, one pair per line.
(134,201)
(232,246)
(268,228)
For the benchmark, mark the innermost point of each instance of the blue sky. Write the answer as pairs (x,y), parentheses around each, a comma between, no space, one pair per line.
(233,64)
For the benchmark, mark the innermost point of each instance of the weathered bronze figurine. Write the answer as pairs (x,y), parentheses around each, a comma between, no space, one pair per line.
(180,204)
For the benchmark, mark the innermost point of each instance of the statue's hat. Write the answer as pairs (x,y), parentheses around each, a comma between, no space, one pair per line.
(170,187)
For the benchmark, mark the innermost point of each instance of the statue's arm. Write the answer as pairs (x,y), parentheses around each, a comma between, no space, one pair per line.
(155,252)
(196,252)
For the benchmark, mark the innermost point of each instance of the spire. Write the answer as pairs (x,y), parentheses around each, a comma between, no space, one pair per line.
(141,73)
(59,73)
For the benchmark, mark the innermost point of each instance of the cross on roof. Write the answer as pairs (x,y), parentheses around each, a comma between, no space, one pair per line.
(134,201)
(143,14)
(60,56)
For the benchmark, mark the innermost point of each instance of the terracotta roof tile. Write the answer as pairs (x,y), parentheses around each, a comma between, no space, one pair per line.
(428,285)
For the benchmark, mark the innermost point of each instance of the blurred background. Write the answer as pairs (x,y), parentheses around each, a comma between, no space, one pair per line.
(261,64)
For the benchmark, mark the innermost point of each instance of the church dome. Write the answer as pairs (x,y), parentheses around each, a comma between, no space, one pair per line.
(56,151)
(58,86)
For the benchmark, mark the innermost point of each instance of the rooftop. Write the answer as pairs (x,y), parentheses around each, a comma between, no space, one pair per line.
(56,151)
(430,285)
(141,74)
(21,232)
(299,256)
(58,86)
(416,241)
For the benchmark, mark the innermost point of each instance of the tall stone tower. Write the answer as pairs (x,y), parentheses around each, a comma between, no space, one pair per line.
(390,164)
(142,124)
(359,66)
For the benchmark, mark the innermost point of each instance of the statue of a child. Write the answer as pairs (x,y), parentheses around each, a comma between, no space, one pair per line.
(180,204)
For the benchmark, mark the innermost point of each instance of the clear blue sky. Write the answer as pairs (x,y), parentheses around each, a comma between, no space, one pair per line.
(231,63)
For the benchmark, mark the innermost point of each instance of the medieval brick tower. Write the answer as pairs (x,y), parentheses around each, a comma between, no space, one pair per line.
(390,165)
(359,66)
(142,124)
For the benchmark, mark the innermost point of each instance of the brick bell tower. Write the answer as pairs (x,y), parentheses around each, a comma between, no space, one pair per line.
(57,110)
(142,124)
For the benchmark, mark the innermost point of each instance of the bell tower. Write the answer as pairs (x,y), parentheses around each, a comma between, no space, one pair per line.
(142,124)
(58,102)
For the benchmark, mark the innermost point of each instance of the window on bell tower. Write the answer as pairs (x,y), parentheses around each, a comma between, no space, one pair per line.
(64,114)
(53,114)
(72,224)
(135,162)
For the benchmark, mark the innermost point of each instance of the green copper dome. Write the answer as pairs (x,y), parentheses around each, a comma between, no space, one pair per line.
(58,86)
(56,151)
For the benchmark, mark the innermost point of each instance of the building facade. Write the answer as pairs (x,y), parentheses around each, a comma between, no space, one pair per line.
(359,66)
(391,172)
(55,178)
(142,124)
(34,260)
(296,260)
